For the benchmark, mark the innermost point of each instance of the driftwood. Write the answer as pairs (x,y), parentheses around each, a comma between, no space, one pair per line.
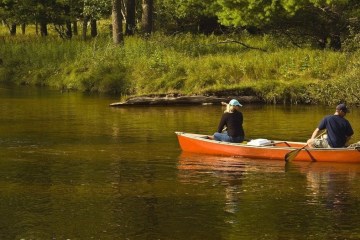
(243,44)
(181,100)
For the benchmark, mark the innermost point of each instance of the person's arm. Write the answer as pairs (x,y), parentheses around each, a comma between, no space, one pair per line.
(313,136)
(347,141)
(349,134)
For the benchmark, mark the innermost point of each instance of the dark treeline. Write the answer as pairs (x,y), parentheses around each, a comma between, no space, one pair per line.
(322,24)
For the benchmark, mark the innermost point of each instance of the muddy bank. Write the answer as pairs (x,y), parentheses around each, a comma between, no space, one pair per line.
(182,100)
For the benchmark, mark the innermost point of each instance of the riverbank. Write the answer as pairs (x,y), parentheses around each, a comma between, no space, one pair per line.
(185,65)
(175,99)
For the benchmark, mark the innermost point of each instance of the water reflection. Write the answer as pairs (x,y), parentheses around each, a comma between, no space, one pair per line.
(322,192)
(230,173)
(73,168)
(332,188)
(331,185)
(322,177)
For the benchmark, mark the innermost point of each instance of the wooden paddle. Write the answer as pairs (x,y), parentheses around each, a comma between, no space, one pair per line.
(291,155)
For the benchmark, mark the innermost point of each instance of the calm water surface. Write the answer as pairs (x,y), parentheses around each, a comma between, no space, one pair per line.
(73,168)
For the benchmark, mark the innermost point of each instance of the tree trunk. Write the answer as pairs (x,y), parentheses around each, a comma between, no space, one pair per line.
(13,29)
(75,28)
(117,22)
(147,16)
(84,27)
(335,42)
(321,43)
(23,28)
(68,32)
(43,28)
(93,28)
(130,17)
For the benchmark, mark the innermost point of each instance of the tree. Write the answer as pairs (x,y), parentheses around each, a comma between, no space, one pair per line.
(117,22)
(147,16)
(63,18)
(45,13)
(317,19)
(130,17)
(94,10)
(191,15)
(14,13)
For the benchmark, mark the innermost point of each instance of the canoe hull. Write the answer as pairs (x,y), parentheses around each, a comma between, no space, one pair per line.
(198,143)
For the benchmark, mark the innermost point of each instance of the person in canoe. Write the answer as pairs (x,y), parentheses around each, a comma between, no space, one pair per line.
(338,130)
(232,119)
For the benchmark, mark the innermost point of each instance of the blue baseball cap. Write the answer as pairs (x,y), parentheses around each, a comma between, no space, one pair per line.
(235,102)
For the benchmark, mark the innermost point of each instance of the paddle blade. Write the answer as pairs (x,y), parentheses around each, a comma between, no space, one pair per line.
(291,155)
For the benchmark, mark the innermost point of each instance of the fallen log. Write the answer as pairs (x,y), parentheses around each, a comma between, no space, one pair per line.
(181,100)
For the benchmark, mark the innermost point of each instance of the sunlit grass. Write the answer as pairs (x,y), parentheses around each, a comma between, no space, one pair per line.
(184,64)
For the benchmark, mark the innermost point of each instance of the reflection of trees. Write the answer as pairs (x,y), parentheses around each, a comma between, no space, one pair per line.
(327,179)
(330,192)
(226,173)
(232,174)
(150,207)
(232,191)
(262,201)
(330,187)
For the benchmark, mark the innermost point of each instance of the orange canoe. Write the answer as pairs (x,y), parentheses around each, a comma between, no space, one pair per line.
(199,143)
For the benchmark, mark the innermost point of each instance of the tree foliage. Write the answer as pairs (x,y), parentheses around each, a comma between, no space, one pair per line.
(320,20)
(324,23)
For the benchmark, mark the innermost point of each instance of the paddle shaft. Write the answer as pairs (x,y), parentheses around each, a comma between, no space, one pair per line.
(291,155)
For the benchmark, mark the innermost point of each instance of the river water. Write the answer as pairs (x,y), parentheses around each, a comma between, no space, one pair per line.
(71,167)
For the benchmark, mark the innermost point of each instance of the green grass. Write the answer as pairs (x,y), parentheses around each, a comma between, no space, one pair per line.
(184,64)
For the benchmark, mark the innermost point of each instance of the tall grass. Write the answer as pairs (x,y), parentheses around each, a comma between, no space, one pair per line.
(184,64)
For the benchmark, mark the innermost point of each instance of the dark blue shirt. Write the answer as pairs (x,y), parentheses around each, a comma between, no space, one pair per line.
(338,129)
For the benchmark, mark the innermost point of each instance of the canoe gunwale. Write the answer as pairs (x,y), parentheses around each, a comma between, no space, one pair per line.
(270,146)
(201,137)
(199,143)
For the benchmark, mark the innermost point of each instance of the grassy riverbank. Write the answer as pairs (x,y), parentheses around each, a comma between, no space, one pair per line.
(184,64)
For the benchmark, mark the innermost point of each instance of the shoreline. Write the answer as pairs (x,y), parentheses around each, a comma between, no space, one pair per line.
(174,99)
